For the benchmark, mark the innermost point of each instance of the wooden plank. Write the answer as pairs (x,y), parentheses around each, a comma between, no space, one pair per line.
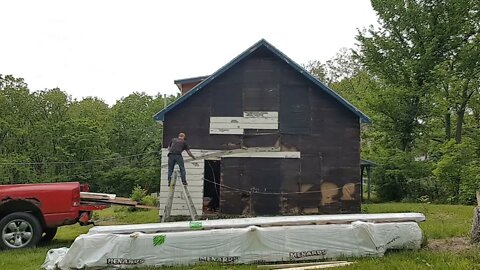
(226,119)
(265,155)
(219,153)
(286,265)
(115,201)
(196,164)
(238,131)
(242,120)
(256,114)
(478,198)
(221,126)
(194,151)
(318,266)
(98,195)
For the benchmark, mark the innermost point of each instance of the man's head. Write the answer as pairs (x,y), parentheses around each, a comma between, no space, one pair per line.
(181,136)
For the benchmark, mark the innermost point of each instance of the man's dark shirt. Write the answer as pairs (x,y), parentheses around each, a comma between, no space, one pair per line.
(177,146)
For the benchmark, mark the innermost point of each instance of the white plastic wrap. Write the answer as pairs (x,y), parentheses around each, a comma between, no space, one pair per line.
(237,245)
(258,221)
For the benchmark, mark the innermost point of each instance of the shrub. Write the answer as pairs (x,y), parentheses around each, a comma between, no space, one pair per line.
(150,200)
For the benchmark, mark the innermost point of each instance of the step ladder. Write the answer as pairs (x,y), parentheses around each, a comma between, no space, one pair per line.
(171,193)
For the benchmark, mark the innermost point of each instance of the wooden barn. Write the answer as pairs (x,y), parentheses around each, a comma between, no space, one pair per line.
(295,142)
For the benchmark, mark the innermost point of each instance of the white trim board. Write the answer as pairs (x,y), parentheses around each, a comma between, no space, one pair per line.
(234,131)
(244,125)
(250,120)
(257,114)
(264,155)
(242,120)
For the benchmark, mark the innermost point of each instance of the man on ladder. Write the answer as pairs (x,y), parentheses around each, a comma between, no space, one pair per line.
(175,149)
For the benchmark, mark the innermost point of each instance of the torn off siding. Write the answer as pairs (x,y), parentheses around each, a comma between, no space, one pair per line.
(250,120)
(194,170)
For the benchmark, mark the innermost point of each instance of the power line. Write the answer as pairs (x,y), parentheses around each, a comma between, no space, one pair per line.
(147,129)
(253,191)
(77,162)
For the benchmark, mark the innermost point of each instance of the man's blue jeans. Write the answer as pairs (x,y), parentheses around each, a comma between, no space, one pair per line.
(176,159)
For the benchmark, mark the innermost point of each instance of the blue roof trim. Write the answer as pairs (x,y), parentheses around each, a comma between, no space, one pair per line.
(160,115)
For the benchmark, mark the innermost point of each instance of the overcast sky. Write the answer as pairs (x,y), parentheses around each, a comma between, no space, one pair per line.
(111,48)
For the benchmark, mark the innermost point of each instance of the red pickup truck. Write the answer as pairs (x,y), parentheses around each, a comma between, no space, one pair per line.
(31,213)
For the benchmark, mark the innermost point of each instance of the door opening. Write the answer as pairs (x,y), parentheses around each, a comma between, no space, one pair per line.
(211,186)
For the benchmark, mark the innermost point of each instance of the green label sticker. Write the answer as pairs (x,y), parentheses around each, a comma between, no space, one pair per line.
(196,225)
(158,240)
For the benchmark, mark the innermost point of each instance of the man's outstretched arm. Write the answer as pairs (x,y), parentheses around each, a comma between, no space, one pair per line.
(190,154)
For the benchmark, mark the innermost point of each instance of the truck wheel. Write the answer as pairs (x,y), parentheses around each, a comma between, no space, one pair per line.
(48,235)
(19,230)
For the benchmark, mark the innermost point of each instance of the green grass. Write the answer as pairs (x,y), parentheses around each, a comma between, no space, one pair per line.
(443,221)
(423,259)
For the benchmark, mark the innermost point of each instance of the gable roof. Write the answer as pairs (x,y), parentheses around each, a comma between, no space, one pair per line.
(161,114)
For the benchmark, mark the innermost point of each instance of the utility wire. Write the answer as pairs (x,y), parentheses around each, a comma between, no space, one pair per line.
(77,162)
(273,193)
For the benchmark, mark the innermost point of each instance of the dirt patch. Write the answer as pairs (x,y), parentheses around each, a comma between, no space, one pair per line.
(454,244)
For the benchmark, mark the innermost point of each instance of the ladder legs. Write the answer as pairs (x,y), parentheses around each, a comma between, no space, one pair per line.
(190,205)
(171,192)
(169,203)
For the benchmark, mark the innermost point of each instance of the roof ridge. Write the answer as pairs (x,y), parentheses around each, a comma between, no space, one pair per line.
(160,115)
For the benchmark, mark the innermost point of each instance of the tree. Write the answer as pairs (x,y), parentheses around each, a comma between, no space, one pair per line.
(342,66)
(414,38)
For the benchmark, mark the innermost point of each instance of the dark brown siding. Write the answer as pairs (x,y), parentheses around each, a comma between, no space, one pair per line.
(312,122)
(255,183)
